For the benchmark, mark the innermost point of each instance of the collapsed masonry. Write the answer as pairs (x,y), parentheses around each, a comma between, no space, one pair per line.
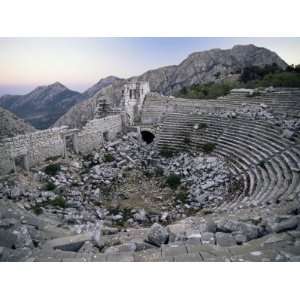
(26,151)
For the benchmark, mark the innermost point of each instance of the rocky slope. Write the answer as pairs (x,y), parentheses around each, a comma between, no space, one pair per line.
(200,67)
(11,125)
(79,114)
(43,106)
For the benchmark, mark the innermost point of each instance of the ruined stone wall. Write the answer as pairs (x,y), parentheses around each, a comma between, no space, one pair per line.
(6,162)
(157,107)
(133,99)
(36,147)
(281,100)
(95,132)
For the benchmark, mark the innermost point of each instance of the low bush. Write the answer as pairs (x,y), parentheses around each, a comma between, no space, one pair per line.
(182,196)
(59,201)
(108,157)
(49,186)
(173,181)
(208,147)
(202,125)
(37,210)
(187,141)
(167,153)
(210,90)
(158,172)
(52,169)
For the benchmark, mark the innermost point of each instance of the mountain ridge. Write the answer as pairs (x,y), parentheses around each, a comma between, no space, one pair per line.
(198,67)
(214,65)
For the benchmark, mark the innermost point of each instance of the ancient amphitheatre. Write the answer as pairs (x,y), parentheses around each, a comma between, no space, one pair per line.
(158,178)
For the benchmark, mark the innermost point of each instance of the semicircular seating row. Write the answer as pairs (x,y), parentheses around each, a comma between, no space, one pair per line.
(281,100)
(267,164)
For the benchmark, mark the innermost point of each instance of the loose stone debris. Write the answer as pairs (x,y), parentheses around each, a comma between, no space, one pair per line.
(130,201)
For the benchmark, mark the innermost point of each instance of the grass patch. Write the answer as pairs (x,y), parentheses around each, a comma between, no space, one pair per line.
(167,153)
(208,147)
(206,91)
(202,125)
(173,181)
(187,140)
(108,157)
(49,186)
(37,210)
(52,169)
(59,201)
(158,172)
(182,196)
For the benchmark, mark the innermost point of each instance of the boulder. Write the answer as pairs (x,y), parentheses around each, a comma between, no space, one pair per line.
(15,192)
(287,133)
(210,226)
(225,239)
(284,225)
(158,235)
(7,239)
(69,243)
(140,216)
(249,230)
(208,238)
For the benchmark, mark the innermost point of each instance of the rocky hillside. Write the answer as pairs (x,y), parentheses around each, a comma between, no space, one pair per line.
(43,106)
(209,66)
(79,114)
(11,125)
(213,65)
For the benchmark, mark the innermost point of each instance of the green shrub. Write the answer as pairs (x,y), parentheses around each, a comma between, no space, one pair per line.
(52,169)
(173,181)
(206,91)
(262,164)
(49,186)
(158,172)
(108,157)
(182,196)
(202,125)
(37,210)
(208,147)
(167,153)
(187,141)
(59,201)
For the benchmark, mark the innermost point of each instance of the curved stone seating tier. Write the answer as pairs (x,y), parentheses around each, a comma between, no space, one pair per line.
(281,101)
(266,164)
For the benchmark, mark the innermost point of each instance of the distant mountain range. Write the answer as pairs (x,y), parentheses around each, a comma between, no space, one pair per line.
(56,104)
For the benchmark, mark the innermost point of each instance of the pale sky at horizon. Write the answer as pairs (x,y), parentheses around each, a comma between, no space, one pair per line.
(78,63)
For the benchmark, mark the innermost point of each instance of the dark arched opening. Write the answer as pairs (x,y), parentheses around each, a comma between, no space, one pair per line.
(147,136)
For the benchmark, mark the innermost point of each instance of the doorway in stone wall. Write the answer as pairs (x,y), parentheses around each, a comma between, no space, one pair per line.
(70,148)
(105,136)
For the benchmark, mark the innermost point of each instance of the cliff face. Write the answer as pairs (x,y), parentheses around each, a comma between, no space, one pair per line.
(208,66)
(11,125)
(200,67)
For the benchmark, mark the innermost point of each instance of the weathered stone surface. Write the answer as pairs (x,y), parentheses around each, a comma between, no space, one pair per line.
(225,239)
(70,243)
(158,235)
(208,238)
(285,225)
(7,239)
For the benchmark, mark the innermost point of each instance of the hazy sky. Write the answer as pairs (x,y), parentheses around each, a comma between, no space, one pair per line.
(79,63)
